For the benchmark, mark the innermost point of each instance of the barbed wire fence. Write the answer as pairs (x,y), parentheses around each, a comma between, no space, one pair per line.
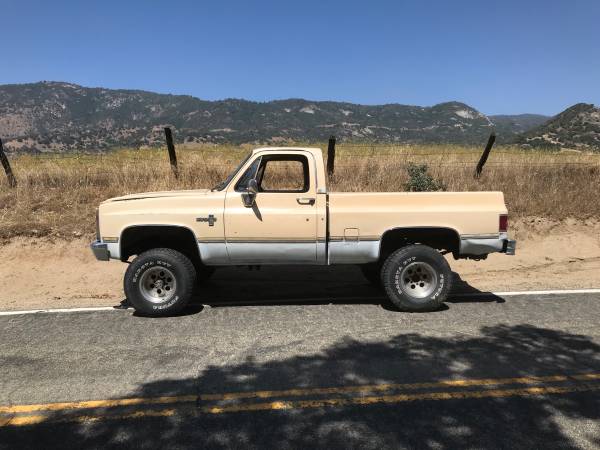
(349,156)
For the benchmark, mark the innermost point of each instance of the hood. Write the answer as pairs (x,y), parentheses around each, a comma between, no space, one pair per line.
(160,194)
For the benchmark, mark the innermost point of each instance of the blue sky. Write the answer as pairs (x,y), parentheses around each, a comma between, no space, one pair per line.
(500,57)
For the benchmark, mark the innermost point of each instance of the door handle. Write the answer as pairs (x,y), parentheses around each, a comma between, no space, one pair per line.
(305,201)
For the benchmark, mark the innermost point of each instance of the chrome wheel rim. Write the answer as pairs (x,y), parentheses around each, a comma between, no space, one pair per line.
(418,280)
(158,285)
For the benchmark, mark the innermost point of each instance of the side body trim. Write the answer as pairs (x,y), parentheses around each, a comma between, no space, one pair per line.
(114,250)
(259,251)
(213,253)
(270,252)
(353,252)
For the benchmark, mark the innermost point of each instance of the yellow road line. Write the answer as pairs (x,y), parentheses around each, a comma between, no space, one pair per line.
(88,404)
(20,421)
(396,386)
(488,393)
(16,409)
(320,403)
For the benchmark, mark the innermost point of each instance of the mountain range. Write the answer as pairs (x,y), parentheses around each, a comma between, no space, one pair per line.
(58,116)
(577,127)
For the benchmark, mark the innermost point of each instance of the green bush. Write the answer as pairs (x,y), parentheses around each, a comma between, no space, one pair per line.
(420,180)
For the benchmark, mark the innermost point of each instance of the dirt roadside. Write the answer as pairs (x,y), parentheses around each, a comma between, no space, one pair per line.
(41,273)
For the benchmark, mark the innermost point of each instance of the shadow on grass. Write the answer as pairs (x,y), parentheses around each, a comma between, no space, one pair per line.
(551,421)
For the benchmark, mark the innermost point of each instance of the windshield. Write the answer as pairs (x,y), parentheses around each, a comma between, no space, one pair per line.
(226,181)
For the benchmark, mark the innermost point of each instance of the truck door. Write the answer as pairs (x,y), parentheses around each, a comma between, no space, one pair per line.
(281,225)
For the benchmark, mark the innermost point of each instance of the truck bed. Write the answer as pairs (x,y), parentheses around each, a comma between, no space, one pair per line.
(370,214)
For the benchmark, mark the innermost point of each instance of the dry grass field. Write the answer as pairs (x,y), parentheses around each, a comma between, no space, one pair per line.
(57,194)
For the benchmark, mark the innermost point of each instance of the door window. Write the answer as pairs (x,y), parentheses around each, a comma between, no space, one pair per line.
(288,173)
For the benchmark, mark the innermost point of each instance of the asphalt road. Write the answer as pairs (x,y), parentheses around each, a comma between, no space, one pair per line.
(302,371)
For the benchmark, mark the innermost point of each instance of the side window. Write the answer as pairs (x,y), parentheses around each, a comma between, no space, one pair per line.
(250,173)
(287,173)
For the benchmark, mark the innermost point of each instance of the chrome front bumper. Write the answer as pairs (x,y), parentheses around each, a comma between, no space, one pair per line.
(482,245)
(100,251)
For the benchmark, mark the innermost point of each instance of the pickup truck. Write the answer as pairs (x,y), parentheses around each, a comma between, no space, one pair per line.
(275,208)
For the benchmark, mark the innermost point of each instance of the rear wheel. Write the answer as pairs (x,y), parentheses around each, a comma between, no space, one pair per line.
(159,282)
(416,278)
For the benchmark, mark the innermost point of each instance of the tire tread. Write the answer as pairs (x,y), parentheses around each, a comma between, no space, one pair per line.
(189,280)
(390,288)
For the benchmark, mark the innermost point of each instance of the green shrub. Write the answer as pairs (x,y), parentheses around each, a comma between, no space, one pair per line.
(420,180)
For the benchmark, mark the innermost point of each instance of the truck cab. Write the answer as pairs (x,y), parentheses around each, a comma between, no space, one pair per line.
(275,209)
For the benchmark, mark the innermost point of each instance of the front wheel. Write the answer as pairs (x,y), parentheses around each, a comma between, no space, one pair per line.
(159,282)
(416,278)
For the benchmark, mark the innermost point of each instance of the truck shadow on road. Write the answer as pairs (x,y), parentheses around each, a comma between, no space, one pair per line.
(567,420)
(285,285)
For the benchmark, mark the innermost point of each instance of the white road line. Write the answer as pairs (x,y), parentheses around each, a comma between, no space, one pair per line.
(469,294)
(58,310)
(515,293)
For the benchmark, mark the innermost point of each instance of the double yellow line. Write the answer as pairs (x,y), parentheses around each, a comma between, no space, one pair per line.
(397,398)
(22,415)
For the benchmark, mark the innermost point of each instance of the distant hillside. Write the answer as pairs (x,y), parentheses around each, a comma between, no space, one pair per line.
(509,127)
(55,116)
(577,127)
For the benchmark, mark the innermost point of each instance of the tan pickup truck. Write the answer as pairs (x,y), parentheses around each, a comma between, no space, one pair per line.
(275,208)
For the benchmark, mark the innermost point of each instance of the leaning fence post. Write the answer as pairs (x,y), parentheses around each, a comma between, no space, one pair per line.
(171,149)
(485,154)
(12,181)
(331,156)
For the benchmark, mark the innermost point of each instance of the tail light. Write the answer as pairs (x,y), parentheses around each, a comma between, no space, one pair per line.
(503,225)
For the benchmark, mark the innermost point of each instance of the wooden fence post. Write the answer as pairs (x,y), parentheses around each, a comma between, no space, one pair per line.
(171,149)
(331,156)
(485,154)
(12,181)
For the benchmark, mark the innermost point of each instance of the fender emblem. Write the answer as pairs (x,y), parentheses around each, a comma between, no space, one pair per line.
(210,219)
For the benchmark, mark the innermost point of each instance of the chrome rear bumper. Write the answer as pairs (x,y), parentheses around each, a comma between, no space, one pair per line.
(510,247)
(482,245)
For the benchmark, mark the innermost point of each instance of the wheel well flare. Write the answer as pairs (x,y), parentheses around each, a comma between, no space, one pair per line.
(443,239)
(140,238)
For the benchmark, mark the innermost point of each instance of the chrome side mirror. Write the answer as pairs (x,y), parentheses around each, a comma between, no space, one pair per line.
(249,197)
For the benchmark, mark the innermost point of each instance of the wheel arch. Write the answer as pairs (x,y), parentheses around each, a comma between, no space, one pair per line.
(440,238)
(135,239)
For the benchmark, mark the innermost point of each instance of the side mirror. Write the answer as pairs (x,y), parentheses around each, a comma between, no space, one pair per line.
(249,197)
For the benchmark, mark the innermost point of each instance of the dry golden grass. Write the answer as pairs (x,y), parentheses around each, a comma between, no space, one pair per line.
(57,195)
